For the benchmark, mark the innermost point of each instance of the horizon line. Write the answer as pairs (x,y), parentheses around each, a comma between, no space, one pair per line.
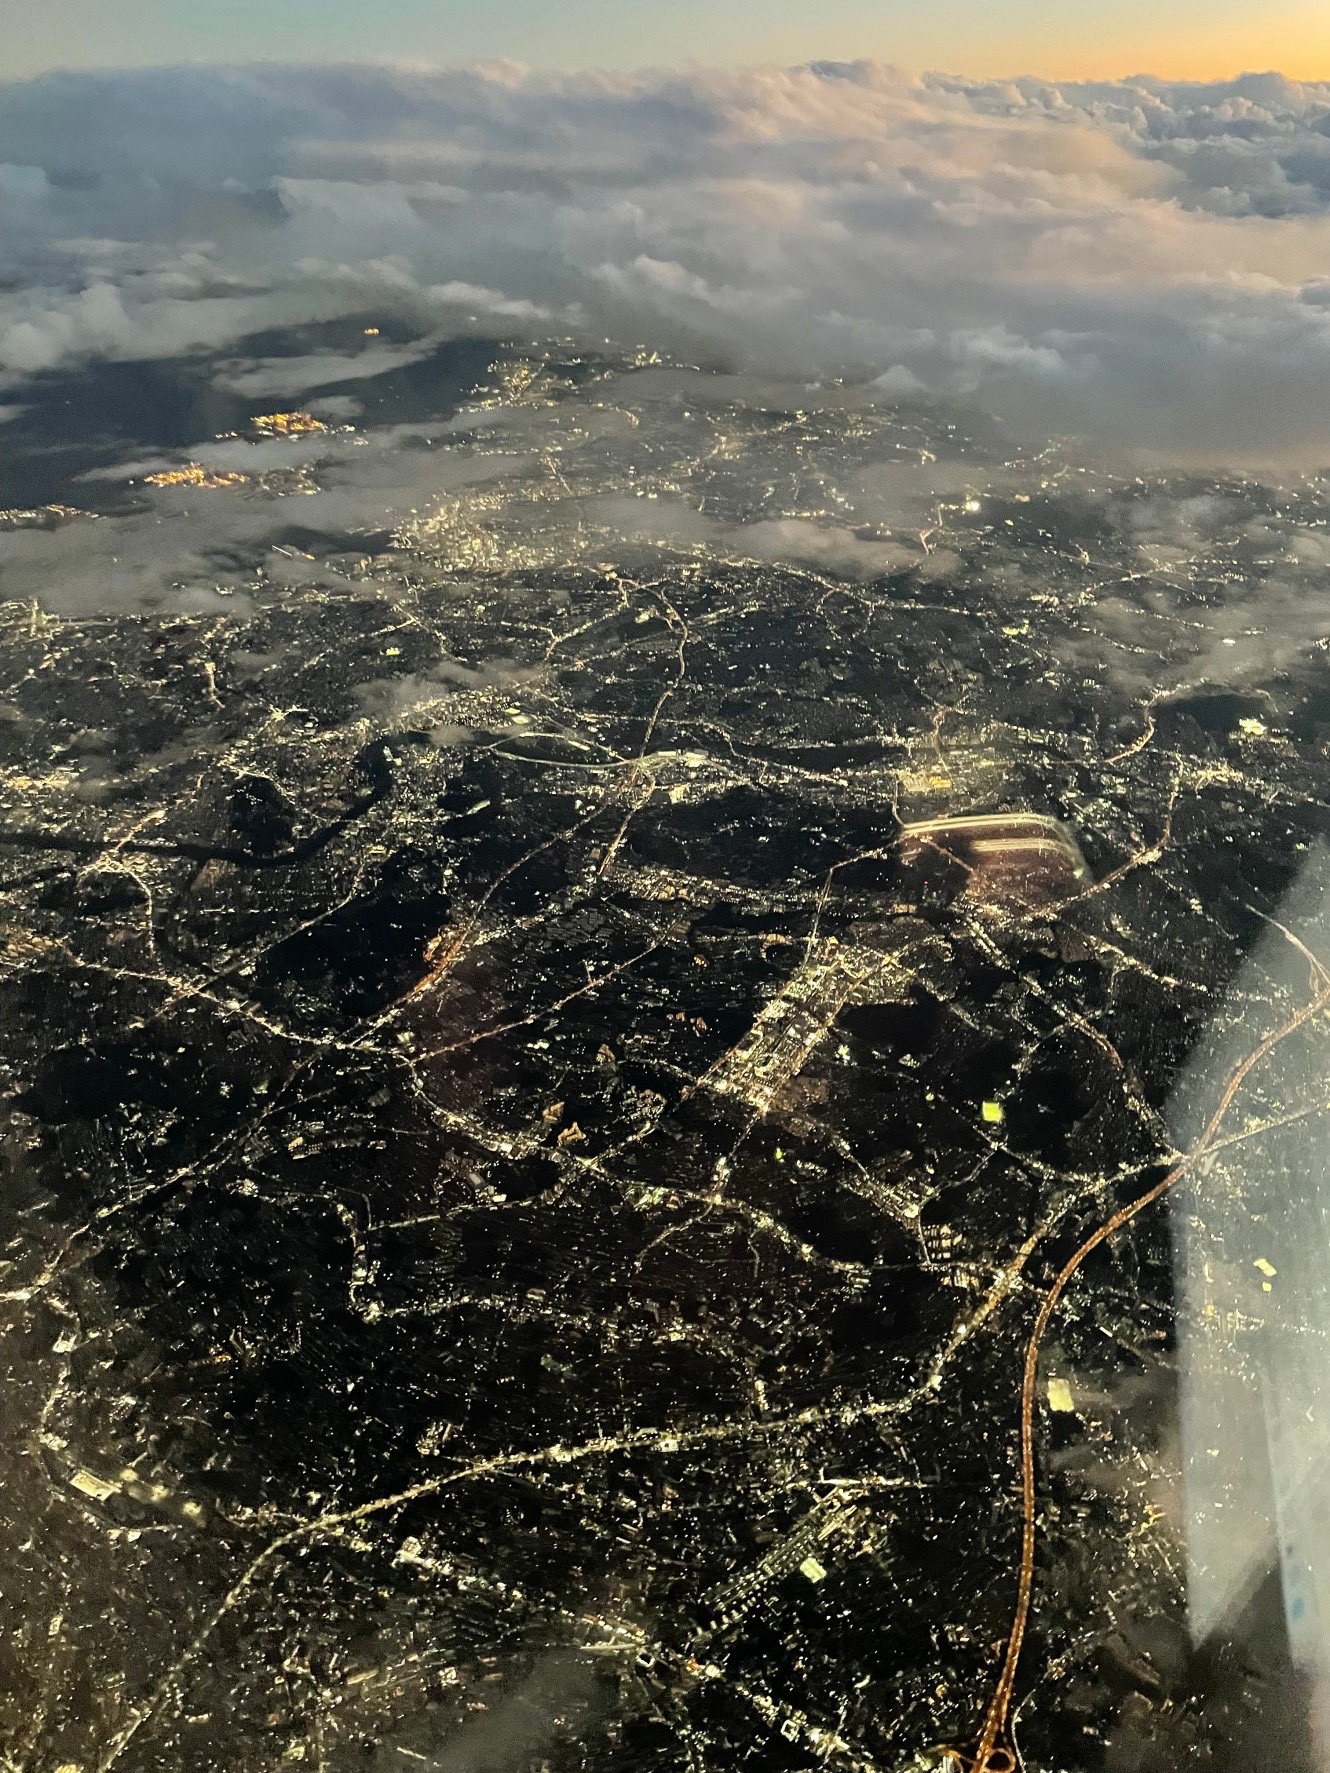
(691,65)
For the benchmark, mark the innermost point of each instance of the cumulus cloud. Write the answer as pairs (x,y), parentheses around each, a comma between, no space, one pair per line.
(1144,263)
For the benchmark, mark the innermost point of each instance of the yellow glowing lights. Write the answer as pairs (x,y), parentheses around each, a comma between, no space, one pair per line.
(195,474)
(1060,1395)
(287,424)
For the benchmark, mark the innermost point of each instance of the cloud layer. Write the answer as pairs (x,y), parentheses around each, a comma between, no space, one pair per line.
(1146,264)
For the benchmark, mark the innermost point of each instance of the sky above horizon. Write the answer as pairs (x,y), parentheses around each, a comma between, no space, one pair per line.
(1175,39)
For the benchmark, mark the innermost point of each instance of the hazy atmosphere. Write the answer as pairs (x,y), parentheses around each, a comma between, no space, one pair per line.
(664,886)
(1175,39)
(1144,263)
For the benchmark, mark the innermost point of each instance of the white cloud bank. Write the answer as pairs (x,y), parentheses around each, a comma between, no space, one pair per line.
(1144,263)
